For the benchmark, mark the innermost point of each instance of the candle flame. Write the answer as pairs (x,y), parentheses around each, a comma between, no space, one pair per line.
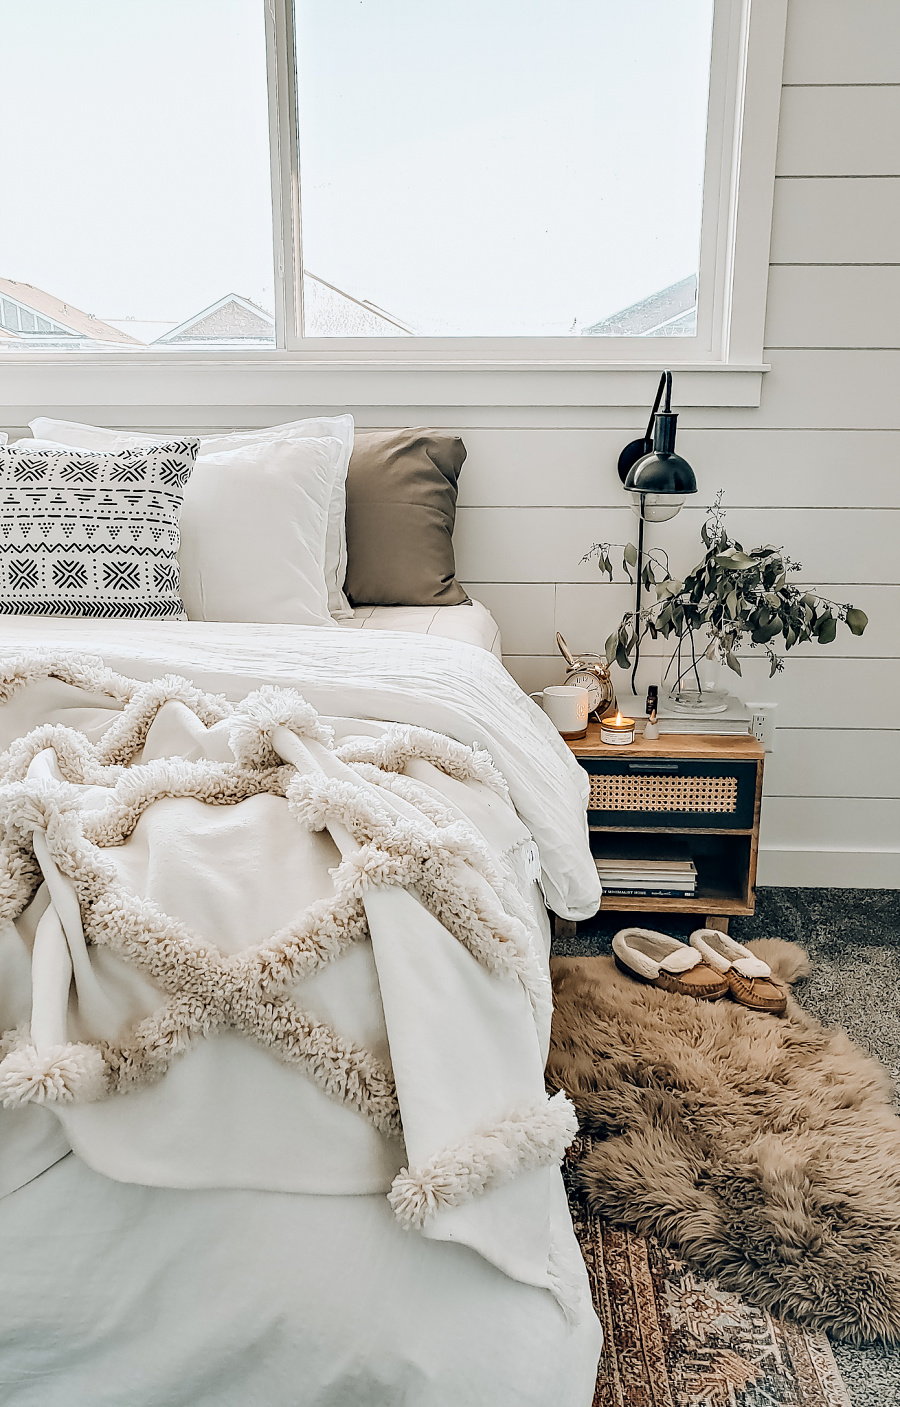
(618,718)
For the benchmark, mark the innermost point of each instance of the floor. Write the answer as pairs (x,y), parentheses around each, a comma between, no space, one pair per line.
(853,939)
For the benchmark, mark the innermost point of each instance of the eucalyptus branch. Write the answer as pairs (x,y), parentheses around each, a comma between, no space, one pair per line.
(732,595)
(654,557)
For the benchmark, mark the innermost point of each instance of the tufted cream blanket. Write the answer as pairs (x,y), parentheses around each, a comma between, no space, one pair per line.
(244,945)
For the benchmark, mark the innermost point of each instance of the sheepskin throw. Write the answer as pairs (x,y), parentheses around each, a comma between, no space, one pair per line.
(229,921)
(674,1339)
(762,1149)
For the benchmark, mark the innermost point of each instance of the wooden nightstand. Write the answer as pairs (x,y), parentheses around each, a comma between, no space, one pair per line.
(703,788)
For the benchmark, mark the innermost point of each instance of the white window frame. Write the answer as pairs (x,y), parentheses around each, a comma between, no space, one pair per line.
(722,366)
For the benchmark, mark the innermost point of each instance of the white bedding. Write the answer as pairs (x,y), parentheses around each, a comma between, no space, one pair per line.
(451,687)
(470,624)
(165,1298)
(168,1297)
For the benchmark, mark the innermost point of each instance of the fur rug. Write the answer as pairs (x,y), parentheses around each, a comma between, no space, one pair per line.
(762,1149)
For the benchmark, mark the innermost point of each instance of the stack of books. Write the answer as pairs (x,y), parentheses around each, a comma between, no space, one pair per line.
(735,718)
(663,872)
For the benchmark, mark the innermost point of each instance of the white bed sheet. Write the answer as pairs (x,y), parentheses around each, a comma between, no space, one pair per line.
(124,1296)
(471,623)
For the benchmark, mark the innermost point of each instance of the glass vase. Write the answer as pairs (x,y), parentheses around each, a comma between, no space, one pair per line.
(699,686)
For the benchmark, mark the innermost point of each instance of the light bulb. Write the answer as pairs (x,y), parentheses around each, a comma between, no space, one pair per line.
(658,507)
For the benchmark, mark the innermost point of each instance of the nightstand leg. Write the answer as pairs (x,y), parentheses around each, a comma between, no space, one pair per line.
(564,927)
(716,921)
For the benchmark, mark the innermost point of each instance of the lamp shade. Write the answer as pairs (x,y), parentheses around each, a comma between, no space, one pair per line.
(662,474)
(658,481)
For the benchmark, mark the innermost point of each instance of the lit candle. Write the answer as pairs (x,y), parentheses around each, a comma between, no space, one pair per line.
(619,731)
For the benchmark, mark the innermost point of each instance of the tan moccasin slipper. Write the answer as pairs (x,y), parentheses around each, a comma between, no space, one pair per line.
(664,962)
(750,980)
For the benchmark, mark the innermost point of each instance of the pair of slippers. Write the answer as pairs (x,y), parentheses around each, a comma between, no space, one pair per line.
(710,966)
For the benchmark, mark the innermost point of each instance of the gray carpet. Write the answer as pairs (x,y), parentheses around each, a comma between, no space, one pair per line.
(853,939)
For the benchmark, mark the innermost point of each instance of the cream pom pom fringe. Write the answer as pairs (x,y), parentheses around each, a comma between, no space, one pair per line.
(59,1074)
(250,731)
(401,742)
(428,848)
(535,1137)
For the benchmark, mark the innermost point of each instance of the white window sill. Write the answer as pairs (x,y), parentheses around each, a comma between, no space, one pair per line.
(33,383)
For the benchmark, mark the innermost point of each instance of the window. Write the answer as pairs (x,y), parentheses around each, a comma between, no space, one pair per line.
(134,161)
(515,169)
(427,183)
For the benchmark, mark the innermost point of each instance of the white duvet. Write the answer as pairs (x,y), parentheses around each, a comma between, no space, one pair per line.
(453,688)
(455,1038)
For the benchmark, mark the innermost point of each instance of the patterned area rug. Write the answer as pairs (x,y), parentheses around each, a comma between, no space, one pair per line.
(674,1340)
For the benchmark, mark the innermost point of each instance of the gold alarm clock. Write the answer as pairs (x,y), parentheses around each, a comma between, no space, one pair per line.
(592,673)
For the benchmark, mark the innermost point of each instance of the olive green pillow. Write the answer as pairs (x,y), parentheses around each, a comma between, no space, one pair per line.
(401,508)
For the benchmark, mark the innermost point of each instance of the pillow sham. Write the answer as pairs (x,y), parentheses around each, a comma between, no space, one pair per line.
(340,427)
(253,530)
(401,510)
(92,534)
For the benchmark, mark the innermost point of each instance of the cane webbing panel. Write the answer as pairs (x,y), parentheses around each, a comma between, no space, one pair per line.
(616,793)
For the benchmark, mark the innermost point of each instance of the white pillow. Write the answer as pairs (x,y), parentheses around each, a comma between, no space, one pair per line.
(253,531)
(68,432)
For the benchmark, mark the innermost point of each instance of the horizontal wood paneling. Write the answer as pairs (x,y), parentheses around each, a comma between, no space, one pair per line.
(849,762)
(547,544)
(861,823)
(524,611)
(839,132)
(838,306)
(842,41)
(833,221)
(817,389)
(836,867)
(756,468)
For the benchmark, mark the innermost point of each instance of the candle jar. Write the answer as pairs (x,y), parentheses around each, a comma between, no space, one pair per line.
(618,731)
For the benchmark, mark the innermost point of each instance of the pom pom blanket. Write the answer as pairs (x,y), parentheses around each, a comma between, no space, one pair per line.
(246,945)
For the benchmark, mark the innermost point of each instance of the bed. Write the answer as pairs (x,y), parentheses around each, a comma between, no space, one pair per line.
(328,1299)
(274,984)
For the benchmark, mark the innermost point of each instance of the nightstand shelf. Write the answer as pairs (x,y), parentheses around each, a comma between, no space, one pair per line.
(705,789)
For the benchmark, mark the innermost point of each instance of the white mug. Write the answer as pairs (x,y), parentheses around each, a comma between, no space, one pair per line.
(567,707)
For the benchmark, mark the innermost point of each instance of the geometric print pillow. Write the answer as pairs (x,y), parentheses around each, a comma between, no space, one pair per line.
(89,533)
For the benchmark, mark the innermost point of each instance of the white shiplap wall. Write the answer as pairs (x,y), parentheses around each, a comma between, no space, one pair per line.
(816,467)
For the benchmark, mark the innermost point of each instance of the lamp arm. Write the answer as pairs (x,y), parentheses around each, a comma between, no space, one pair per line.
(665,380)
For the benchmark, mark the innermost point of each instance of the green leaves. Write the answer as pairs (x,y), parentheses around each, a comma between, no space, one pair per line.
(600,551)
(730,593)
(826,629)
(734,561)
(732,661)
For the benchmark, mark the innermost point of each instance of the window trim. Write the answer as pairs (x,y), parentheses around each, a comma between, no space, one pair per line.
(748,51)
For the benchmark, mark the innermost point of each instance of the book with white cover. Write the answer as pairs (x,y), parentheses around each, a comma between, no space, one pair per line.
(734,718)
(635,865)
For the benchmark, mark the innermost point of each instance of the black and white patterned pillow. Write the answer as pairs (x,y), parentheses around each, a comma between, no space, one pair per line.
(88,533)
